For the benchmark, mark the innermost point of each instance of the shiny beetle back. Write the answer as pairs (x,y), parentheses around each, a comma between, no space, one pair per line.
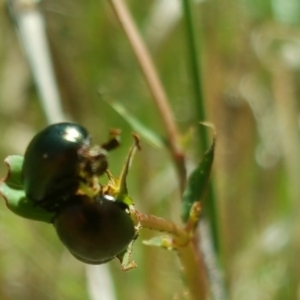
(51,161)
(95,230)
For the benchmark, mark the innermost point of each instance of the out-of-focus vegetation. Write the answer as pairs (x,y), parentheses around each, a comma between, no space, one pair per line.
(250,54)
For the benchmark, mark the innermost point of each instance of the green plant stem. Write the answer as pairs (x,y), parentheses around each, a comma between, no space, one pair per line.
(154,84)
(162,225)
(192,263)
(195,71)
(200,113)
(182,241)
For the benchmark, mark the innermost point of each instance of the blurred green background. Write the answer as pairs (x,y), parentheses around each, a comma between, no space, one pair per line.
(250,57)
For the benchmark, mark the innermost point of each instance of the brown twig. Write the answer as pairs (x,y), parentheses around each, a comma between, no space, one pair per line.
(154,84)
(182,241)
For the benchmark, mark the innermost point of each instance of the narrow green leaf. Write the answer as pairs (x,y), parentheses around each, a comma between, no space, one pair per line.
(11,189)
(150,136)
(123,191)
(125,258)
(197,183)
(161,242)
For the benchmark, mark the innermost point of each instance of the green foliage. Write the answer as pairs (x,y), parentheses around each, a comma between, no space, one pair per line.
(12,191)
(145,132)
(251,96)
(197,183)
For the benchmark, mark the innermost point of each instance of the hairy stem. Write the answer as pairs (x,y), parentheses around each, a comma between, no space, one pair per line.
(182,241)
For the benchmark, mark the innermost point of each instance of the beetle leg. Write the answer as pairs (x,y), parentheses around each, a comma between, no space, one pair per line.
(114,140)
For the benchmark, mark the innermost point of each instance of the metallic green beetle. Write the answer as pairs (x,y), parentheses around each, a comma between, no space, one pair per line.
(57,182)
(57,160)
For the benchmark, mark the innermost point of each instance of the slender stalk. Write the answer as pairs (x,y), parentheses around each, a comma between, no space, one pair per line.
(192,263)
(182,241)
(195,71)
(191,259)
(162,225)
(154,84)
(200,112)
